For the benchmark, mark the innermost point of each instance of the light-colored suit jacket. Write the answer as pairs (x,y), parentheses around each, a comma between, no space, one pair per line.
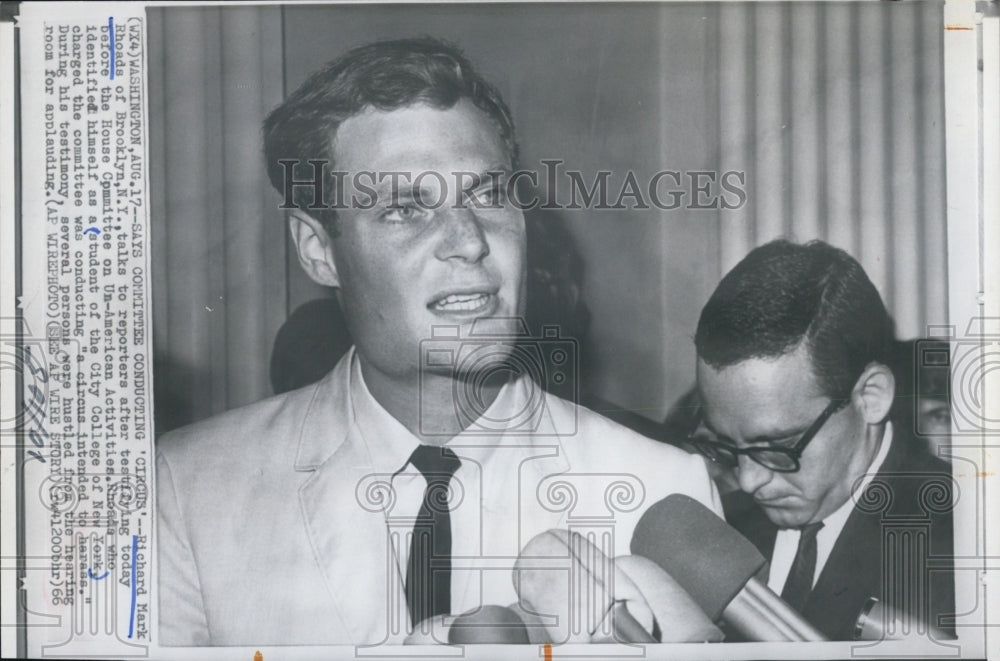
(272,530)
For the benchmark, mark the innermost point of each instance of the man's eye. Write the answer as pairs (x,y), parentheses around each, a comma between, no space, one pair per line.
(491,197)
(403,213)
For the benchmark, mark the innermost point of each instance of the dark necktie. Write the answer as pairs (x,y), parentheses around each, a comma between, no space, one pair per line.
(428,572)
(800,577)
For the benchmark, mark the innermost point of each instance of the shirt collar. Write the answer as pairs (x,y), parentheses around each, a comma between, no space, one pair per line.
(833,524)
(389,443)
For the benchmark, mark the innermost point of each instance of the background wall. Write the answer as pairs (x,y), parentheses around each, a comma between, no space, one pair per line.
(220,273)
(834,112)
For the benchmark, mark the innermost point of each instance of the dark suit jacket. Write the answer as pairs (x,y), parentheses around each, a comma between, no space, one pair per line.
(902,521)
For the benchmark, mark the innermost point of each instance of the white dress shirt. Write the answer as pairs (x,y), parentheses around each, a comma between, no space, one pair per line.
(477,487)
(312,478)
(786,543)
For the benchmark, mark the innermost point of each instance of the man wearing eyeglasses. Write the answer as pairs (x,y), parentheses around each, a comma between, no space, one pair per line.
(793,348)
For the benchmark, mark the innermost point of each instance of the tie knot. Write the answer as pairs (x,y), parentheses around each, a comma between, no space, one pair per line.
(809,531)
(435,462)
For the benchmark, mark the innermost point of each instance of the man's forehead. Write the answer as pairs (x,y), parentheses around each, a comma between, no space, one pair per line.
(752,375)
(419,137)
(763,392)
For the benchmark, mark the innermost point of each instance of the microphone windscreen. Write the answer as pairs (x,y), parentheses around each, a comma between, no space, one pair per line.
(534,624)
(488,625)
(707,557)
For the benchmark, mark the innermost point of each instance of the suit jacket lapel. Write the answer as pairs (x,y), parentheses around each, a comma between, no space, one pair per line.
(349,540)
(349,535)
(853,572)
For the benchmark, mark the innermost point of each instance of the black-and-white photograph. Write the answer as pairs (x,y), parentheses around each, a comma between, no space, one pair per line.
(555,324)
(548,282)
(534,289)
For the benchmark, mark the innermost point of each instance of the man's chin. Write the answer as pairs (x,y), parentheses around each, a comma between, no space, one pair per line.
(487,364)
(498,326)
(786,513)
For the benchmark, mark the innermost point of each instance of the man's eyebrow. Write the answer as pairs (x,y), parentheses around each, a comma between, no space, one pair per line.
(775,436)
(401,194)
(492,173)
(405,184)
(387,195)
(402,184)
(756,440)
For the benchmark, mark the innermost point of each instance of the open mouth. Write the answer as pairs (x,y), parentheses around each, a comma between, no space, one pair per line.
(470,302)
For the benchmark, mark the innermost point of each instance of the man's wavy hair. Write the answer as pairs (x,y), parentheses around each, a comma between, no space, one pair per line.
(784,293)
(385,75)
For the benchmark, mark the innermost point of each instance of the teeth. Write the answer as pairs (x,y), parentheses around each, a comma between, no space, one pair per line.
(462,302)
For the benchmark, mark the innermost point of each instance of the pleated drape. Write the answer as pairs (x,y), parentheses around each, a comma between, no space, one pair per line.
(219,261)
(835,111)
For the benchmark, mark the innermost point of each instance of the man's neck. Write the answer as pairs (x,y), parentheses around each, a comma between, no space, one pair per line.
(874,437)
(872,442)
(424,401)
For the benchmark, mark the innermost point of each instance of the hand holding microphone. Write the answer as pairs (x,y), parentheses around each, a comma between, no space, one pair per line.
(694,569)
(492,625)
(568,582)
(581,595)
(567,589)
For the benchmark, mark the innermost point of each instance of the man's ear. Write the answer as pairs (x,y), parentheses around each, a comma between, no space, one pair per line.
(314,247)
(874,392)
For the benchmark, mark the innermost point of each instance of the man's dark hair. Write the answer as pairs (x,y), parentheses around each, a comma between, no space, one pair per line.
(385,75)
(784,293)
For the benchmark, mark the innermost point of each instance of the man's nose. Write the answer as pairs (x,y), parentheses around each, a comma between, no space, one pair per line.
(752,475)
(462,236)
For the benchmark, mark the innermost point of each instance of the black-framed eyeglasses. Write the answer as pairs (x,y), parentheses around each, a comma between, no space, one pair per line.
(778,459)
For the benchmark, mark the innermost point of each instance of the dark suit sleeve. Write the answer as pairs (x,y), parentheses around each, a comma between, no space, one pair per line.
(182,613)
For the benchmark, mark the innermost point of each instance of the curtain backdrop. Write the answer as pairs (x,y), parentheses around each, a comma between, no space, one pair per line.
(219,267)
(836,112)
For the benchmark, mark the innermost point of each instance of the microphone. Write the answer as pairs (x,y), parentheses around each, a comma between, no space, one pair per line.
(534,624)
(717,566)
(570,585)
(488,625)
(879,621)
(493,625)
